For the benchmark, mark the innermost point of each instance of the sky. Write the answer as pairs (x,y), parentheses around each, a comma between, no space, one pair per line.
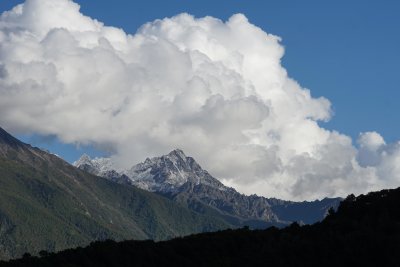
(345,53)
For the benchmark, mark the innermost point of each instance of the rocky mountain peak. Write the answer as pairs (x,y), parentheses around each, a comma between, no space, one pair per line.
(175,160)
(177,154)
(182,179)
(166,174)
(84,159)
(97,166)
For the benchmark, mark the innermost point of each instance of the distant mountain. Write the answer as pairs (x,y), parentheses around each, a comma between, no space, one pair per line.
(182,179)
(364,231)
(47,204)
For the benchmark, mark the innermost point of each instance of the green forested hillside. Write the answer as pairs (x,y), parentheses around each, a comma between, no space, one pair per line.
(364,231)
(47,204)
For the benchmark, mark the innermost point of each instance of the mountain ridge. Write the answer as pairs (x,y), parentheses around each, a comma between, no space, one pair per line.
(47,204)
(183,180)
(363,231)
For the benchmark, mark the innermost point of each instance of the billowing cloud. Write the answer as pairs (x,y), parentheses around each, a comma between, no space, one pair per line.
(215,89)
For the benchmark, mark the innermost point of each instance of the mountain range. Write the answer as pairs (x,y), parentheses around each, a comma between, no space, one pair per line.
(363,231)
(48,204)
(181,179)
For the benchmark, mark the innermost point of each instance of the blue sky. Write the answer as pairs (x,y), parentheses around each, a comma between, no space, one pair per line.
(346,51)
(217,90)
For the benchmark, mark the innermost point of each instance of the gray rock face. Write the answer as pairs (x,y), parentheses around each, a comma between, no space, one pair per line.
(170,174)
(182,179)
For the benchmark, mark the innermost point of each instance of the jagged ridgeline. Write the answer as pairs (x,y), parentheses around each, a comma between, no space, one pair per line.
(183,180)
(47,204)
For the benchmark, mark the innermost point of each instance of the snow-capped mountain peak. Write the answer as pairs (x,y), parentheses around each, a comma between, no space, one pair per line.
(97,166)
(182,179)
(177,153)
(84,159)
(165,174)
(170,172)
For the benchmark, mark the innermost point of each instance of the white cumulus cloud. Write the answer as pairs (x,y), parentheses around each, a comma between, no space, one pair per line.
(215,89)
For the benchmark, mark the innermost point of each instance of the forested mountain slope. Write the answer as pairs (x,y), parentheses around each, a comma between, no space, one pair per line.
(47,204)
(365,231)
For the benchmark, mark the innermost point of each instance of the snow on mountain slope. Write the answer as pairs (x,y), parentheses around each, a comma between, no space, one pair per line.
(182,179)
(97,166)
(165,174)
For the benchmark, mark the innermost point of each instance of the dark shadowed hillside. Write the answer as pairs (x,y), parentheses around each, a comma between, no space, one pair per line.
(365,231)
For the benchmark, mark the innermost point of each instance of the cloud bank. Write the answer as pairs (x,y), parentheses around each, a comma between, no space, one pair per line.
(215,89)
